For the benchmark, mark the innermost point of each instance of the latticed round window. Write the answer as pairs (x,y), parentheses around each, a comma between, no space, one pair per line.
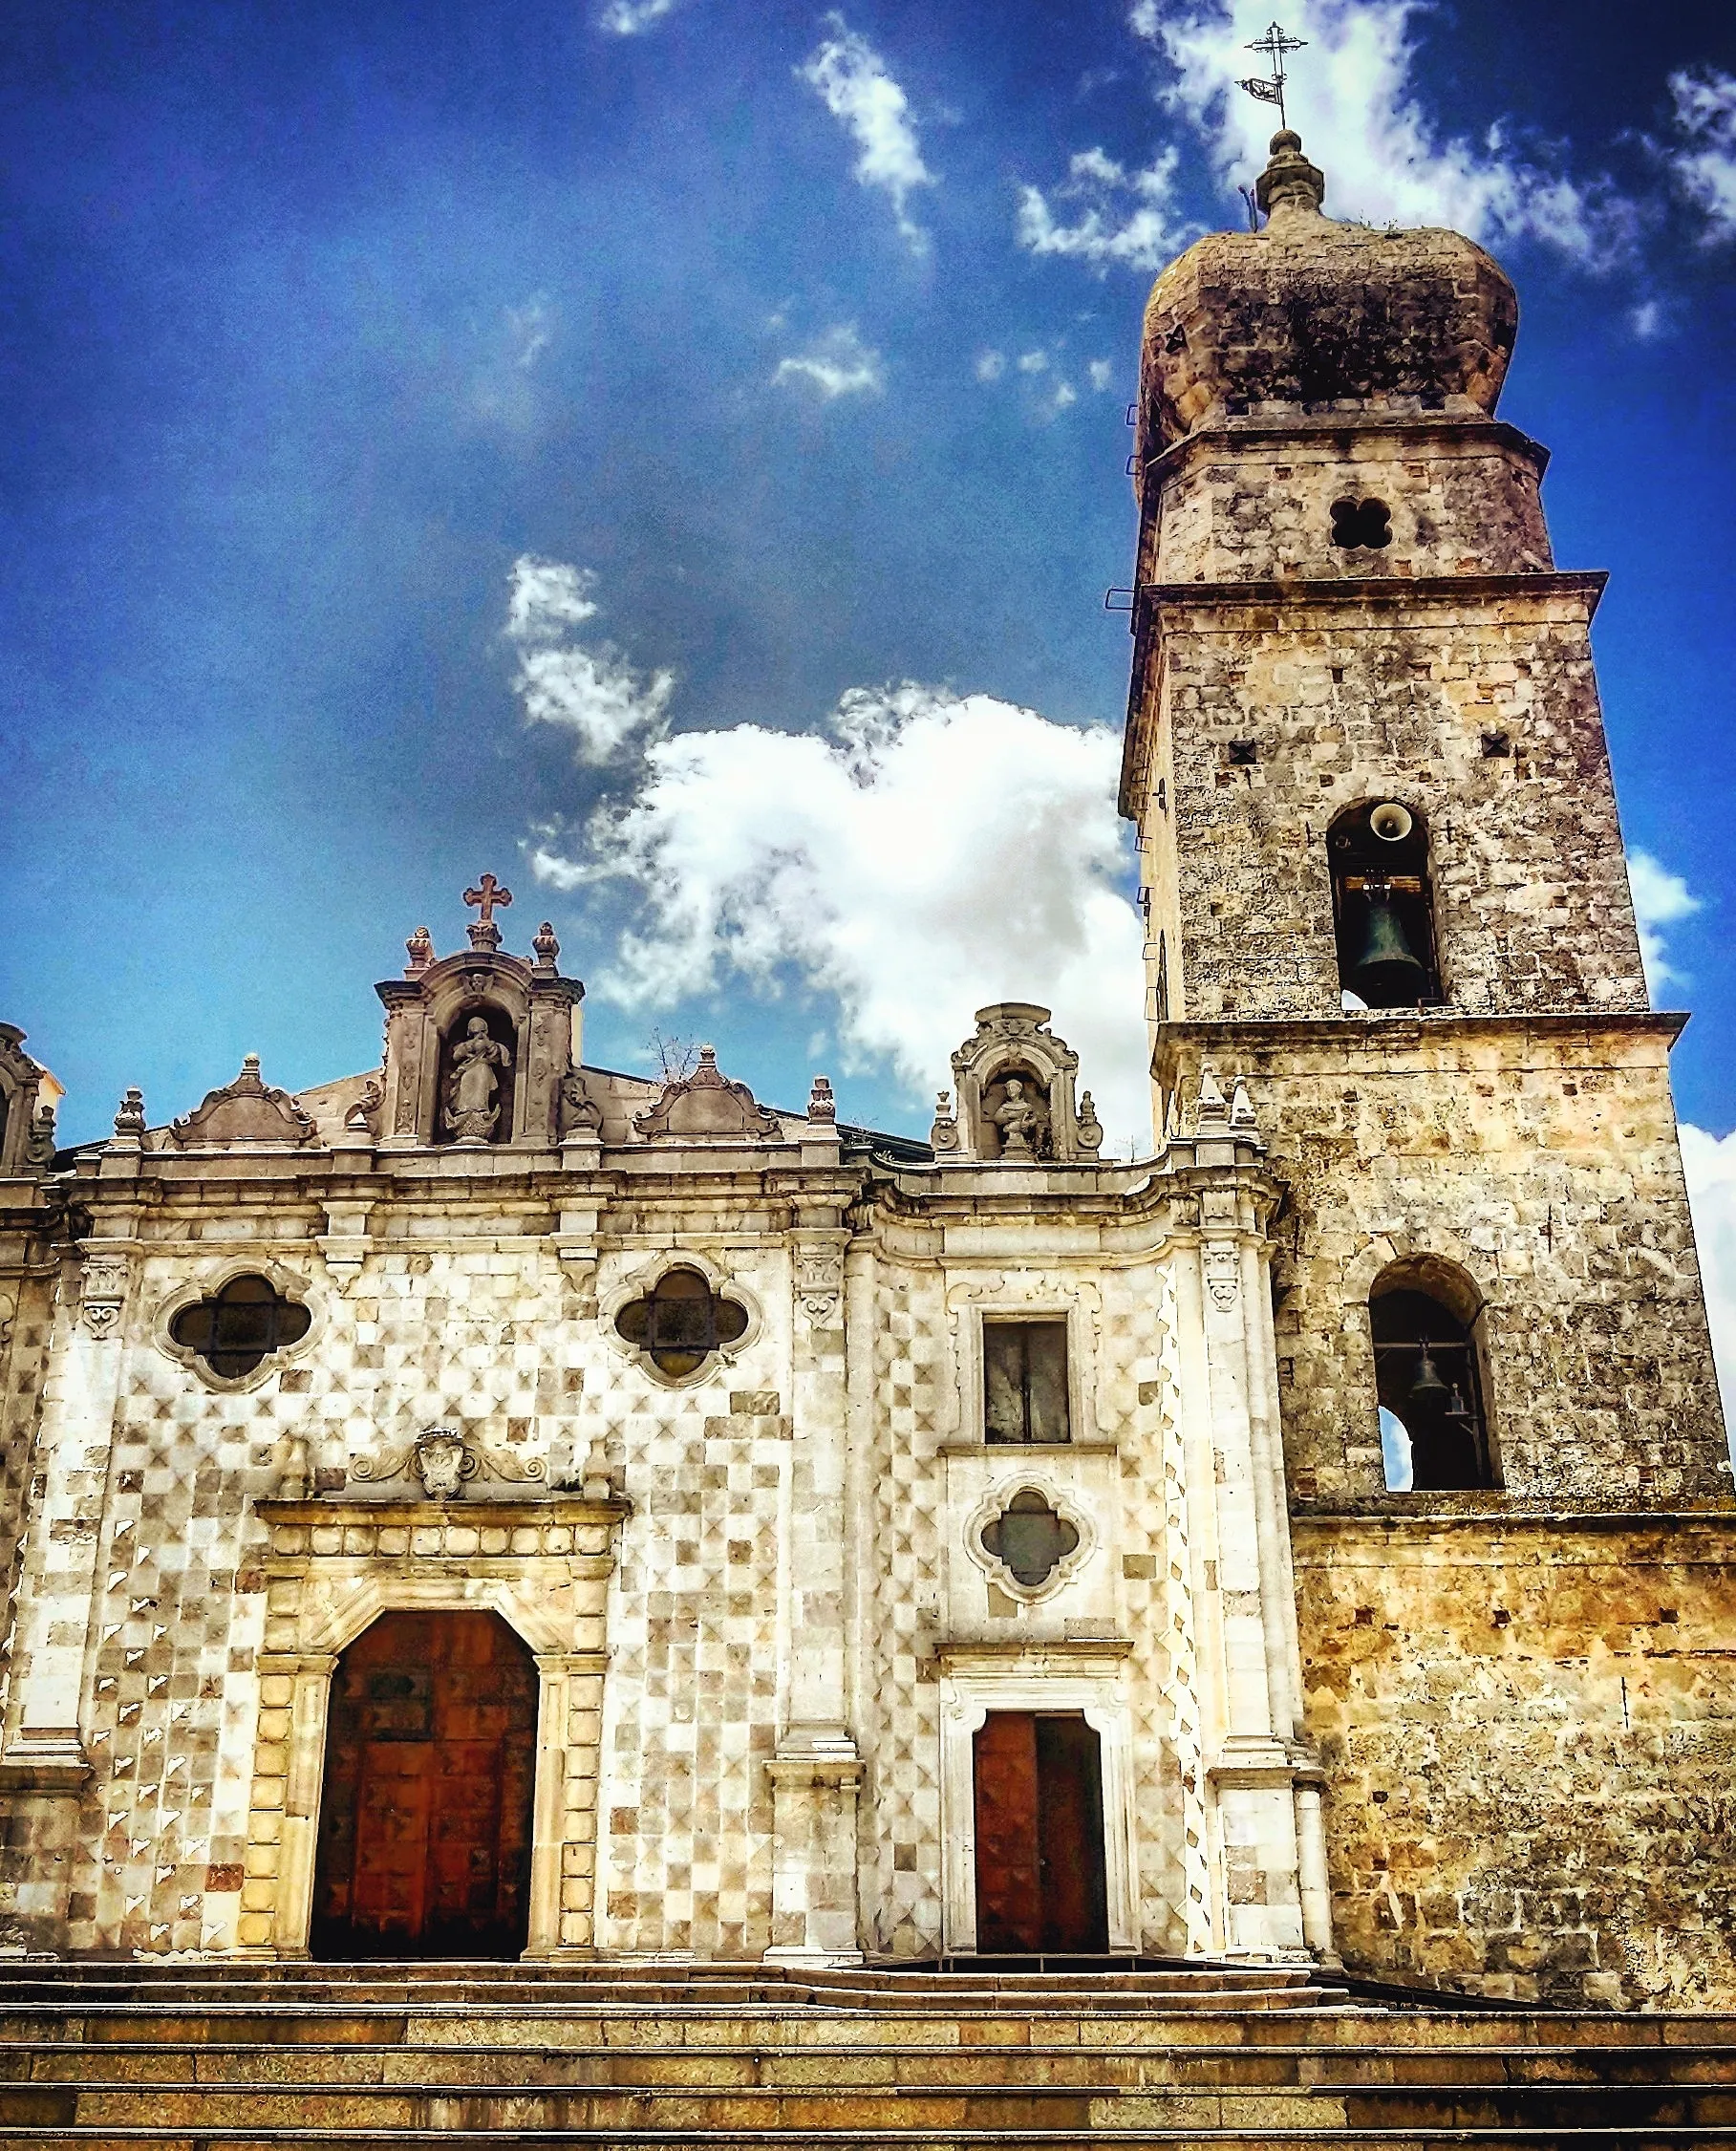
(680,1323)
(239,1327)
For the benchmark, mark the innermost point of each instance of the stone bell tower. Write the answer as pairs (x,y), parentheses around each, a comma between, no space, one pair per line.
(1384,878)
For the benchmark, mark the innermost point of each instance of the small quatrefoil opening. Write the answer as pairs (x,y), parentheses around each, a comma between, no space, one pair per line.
(1360,523)
(1029,1539)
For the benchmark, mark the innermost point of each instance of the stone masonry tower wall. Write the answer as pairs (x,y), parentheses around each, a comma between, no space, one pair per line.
(1345,596)
(1518,1126)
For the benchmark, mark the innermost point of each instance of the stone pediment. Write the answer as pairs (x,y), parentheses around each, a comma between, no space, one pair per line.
(246,1111)
(707,1107)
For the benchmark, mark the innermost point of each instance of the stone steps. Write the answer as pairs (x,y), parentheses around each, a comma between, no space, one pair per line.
(1218,2057)
(1371,2061)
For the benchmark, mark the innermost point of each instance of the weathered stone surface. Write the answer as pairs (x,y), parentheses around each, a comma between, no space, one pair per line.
(1503,1812)
(1309,313)
(1529,1731)
(1539,1159)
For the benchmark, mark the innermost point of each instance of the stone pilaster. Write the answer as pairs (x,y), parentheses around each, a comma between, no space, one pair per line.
(816,1770)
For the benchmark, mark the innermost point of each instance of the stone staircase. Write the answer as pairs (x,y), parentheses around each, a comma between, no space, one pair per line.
(191,2055)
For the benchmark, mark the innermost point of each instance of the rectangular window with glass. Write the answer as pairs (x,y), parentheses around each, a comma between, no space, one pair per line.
(1024,1380)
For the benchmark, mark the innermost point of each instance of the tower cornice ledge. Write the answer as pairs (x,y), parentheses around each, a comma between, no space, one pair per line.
(1406,590)
(1242,1041)
(1235,430)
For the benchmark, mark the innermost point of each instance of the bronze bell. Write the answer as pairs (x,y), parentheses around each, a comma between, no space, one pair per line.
(1387,974)
(1427,1385)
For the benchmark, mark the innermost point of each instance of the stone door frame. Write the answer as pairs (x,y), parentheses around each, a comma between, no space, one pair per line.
(334,1569)
(967,1692)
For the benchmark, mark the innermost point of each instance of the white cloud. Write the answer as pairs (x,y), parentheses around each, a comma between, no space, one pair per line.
(1661,898)
(626,18)
(929,852)
(548,598)
(1711,1166)
(852,80)
(595,694)
(1119,217)
(1101,372)
(1033,361)
(991,365)
(1704,165)
(837,363)
(1355,103)
(1064,394)
(528,330)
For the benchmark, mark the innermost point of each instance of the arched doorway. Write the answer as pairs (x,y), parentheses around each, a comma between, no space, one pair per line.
(425,1815)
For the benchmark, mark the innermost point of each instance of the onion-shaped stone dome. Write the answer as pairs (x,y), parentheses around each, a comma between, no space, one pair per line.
(1314,315)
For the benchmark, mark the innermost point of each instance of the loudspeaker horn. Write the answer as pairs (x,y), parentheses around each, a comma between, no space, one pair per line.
(1391,822)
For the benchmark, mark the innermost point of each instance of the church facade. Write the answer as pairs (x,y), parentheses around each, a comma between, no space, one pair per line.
(497,1506)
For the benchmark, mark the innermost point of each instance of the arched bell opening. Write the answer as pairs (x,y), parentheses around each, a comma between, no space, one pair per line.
(1430,1380)
(425,1827)
(476,1095)
(1383,906)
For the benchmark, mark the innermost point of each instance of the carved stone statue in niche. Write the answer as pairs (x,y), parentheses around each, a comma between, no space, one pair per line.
(1016,1101)
(1016,1108)
(471,1108)
(1021,1122)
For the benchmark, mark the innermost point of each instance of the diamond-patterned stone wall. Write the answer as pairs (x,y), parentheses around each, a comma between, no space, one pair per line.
(901,1701)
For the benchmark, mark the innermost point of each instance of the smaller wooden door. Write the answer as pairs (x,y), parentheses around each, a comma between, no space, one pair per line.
(1041,1885)
(424,1834)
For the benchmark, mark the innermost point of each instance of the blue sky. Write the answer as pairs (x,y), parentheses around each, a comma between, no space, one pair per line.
(432,428)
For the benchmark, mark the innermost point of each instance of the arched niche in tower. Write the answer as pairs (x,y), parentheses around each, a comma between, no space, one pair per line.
(1425,1320)
(1383,904)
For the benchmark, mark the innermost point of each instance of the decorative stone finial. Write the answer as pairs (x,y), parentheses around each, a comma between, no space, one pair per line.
(1290,185)
(1242,1117)
(546,948)
(40,1144)
(943,1135)
(1214,1112)
(488,894)
(419,948)
(822,1106)
(1090,1128)
(129,1121)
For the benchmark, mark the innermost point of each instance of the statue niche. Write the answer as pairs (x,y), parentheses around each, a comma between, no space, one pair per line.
(1017,1100)
(1017,1128)
(474,1095)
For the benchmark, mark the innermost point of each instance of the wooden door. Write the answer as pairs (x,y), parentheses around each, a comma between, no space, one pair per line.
(425,1842)
(1040,1836)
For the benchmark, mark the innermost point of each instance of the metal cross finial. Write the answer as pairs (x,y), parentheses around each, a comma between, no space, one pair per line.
(1270,88)
(485,934)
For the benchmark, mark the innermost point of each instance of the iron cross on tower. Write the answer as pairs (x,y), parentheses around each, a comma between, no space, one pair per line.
(1270,88)
(485,934)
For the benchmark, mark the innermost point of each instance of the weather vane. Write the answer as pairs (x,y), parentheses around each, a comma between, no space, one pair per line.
(1270,88)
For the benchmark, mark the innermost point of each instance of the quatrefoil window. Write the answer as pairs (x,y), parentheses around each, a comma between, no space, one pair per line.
(1029,1539)
(1360,523)
(680,1323)
(239,1327)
